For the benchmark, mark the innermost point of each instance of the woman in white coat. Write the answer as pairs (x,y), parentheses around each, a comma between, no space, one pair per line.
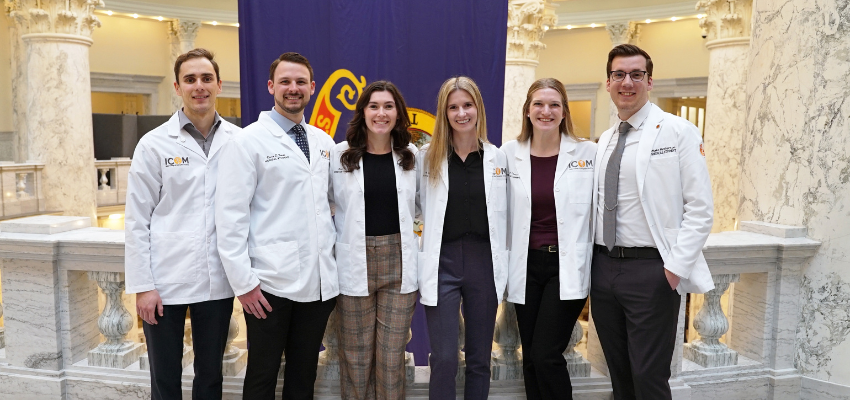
(551,186)
(373,189)
(462,193)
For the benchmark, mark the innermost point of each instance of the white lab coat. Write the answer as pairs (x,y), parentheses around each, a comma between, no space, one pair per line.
(347,196)
(432,203)
(675,192)
(273,217)
(573,190)
(170,235)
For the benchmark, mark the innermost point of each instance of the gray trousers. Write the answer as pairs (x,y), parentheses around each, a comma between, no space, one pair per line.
(466,273)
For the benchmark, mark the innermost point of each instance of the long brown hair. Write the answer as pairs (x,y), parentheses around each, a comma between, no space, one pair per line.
(566,126)
(356,135)
(441,140)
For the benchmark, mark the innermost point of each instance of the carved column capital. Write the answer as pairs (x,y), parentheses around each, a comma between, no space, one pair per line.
(528,20)
(622,32)
(725,19)
(183,31)
(68,17)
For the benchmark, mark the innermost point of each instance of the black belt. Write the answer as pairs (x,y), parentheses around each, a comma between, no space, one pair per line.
(628,252)
(552,248)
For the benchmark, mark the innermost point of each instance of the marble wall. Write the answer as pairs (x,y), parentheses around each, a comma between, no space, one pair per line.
(795,164)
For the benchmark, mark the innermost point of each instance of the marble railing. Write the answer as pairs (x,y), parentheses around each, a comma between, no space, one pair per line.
(21,189)
(53,268)
(112,181)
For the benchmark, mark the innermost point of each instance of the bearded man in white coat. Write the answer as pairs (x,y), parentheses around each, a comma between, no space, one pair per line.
(171,259)
(276,235)
(653,215)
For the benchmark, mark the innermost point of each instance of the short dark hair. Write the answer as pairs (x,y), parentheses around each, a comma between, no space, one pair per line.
(628,50)
(292,57)
(195,53)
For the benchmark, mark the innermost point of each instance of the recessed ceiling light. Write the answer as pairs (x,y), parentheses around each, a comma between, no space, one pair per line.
(215,23)
(593,25)
(569,27)
(648,20)
(237,24)
(700,16)
(159,19)
(674,19)
(135,15)
(109,12)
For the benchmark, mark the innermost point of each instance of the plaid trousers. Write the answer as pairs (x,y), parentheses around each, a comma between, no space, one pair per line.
(374,329)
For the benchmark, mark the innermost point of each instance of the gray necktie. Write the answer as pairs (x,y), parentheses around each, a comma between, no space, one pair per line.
(612,182)
(301,140)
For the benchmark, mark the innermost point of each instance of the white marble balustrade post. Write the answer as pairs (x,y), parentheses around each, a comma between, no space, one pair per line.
(528,20)
(577,365)
(182,34)
(726,25)
(56,92)
(621,32)
(2,330)
(507,361)
(329,357)
(235,359)
(461,356)
(711,324)
(114,323)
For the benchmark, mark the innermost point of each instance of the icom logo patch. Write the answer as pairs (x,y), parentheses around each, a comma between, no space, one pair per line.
(176,161)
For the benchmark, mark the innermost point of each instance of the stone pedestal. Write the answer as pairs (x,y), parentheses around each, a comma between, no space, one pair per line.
(726,25)
(528,20)
(328,368)
(188,358)
(235,359)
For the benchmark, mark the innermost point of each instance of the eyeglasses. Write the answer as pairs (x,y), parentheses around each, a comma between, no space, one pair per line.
(619,76)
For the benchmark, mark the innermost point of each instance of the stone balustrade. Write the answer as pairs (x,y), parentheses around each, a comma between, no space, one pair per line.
(60,345)
(112,181)
(20,189)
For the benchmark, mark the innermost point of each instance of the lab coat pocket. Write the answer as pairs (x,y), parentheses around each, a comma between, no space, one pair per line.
(174,257)
(279,262)
(580,187)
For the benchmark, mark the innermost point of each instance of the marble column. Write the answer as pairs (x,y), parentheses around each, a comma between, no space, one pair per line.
(528,20)
(795,164)
(726,25)
(620,33)
(19,108)
(56,36)
(182,34)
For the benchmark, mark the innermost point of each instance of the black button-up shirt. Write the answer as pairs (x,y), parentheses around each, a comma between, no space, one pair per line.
(466,208)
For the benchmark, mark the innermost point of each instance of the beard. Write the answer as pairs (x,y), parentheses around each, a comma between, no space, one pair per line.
(293,110)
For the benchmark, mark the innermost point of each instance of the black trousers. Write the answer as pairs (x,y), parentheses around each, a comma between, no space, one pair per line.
(210,322)
(635,312)
(545,325)
(298,329)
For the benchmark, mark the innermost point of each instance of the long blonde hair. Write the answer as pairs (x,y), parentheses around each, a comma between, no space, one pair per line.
(441,140)
(566,126)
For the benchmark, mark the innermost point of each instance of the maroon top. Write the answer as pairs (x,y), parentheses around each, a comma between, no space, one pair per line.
(544,222)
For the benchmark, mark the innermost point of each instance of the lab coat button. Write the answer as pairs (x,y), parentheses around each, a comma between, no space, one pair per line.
(557,189)
(402,219)
(560,220)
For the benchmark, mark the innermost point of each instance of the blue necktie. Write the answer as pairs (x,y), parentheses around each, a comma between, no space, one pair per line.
(301,140)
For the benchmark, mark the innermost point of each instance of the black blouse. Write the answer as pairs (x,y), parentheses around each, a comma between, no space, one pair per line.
(379,193)
(466,208)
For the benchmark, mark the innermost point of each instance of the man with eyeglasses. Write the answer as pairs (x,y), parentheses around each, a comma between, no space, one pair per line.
(653,215)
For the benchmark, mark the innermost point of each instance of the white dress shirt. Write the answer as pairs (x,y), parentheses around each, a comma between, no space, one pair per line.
(632,227)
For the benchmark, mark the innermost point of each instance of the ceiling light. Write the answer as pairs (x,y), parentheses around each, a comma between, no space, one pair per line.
(700,16)
(674,19)
(569,27)
(135,15)
(109,13)
(159,19)
(593,25)
(215,23)
(648,20)
(545,27)
(116,216)
(237,24)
